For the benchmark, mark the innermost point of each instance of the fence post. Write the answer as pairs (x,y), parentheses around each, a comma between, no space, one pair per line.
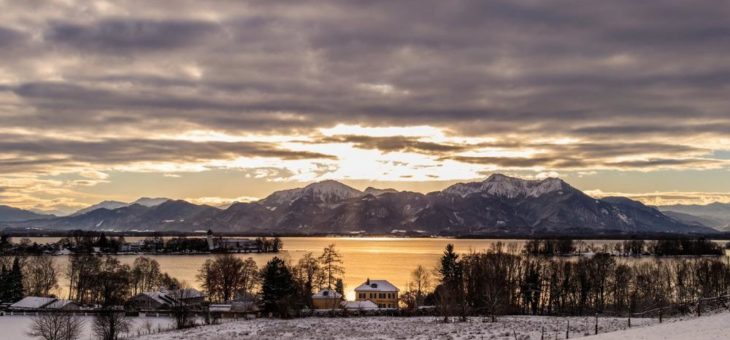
(699,307)
(567,331)
(660,314)
(542,333)
(596,331)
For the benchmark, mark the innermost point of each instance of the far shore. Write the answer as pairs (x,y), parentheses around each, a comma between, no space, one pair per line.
(501,236)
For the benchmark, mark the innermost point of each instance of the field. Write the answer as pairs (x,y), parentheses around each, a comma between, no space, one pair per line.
(508,327)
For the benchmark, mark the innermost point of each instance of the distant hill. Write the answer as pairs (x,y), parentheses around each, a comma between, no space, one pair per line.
(10,214)
(111,205)
(716,215)
(499,205)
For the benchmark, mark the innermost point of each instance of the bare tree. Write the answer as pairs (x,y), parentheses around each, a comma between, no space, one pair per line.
(331,261)
(110,324)
(181,311)
(421,283)
(146,275)
(226,275)
(40,275)
(56,326)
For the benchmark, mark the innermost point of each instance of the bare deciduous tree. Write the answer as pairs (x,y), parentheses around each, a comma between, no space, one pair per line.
(110,324)
(56,326)
(40,275)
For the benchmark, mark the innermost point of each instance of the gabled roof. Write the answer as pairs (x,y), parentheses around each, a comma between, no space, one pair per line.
(59,304)
(185,293)
(160,297)
(33,302)
(377,286)
(327,294)
(359,305)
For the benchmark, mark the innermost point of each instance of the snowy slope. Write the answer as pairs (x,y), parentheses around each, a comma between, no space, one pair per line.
(713,327)
(326,191)
(507,187)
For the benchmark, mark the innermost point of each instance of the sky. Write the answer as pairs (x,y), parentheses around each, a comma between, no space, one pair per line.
(221,101)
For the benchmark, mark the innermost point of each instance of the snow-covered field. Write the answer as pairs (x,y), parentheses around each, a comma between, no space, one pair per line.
(523,327)
(17,327)
(711,327)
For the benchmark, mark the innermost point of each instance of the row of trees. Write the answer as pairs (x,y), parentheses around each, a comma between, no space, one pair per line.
(281,286)
(668,247)
(496,282)
(104,280)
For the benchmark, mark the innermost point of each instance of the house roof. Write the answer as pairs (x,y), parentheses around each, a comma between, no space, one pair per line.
(186,293)
(33,302)
(327,294)
(377,286)
(160,297)
(359,305)
(58,304)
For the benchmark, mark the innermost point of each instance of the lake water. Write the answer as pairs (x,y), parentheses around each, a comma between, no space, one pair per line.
(391,259)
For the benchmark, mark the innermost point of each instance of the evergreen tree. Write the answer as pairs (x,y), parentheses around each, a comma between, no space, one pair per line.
(4,287)
(340,287)
(278,288)
(15,282)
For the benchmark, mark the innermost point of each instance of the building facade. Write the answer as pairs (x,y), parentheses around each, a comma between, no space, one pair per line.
(381,292)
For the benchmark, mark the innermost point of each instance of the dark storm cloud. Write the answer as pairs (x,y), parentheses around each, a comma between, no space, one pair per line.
(126,36)
(398,143)
(42,152)
(625,69)
(9,37)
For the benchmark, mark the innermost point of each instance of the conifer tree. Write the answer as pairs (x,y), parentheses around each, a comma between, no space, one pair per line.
(278,288)
(15,282)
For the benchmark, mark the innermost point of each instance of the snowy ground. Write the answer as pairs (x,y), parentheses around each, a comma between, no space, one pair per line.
(17,327)
(524,327)
(712,327)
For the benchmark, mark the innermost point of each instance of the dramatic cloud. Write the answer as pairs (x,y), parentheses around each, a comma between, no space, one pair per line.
(262,87)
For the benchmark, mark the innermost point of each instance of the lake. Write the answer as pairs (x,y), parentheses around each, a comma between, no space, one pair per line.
(387,258)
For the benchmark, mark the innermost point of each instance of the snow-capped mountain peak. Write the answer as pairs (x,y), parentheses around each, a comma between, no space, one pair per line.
(329,191)
(150,202)
(508,187)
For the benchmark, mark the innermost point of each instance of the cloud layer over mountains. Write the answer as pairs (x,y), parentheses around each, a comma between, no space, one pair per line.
(390,91)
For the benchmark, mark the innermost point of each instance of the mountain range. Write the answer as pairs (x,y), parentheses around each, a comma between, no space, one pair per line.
(715,215)
(499,205)
(10,214)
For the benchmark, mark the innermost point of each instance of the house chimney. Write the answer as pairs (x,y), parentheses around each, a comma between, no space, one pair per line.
(368,282)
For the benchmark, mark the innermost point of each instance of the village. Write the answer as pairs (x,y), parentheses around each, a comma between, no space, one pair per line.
(374,297)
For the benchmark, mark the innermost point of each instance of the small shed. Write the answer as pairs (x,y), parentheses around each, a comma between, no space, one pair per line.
(326,299)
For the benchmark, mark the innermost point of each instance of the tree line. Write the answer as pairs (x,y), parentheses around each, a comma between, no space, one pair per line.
(665,247)
(496,282)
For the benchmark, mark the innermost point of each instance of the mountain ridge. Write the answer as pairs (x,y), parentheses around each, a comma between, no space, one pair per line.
(500,205)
